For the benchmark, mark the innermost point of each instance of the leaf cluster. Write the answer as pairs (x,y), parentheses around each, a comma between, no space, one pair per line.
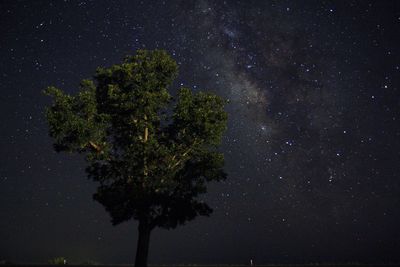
(151,154)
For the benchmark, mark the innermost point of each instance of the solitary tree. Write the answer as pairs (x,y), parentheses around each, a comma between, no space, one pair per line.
(151,154)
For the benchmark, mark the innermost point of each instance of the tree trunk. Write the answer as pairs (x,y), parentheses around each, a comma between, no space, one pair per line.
(142,245)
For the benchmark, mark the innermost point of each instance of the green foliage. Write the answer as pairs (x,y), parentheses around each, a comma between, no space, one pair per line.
(152,155)
(58,261)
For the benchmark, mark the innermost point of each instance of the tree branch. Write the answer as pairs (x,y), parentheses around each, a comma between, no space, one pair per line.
(183,156)
(96,147)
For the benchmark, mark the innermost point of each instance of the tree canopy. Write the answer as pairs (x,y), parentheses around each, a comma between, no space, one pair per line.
(152,154)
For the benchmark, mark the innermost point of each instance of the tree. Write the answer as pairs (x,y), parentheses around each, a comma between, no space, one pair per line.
(151,154)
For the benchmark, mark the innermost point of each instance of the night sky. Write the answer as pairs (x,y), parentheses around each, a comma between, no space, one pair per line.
(313,139)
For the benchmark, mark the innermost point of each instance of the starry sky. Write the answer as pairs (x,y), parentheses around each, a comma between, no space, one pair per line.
(313,139)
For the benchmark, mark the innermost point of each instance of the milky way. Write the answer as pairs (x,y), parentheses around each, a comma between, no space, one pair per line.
(312,146)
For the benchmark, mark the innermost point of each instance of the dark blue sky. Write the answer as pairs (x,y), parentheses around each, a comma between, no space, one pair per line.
(312,149)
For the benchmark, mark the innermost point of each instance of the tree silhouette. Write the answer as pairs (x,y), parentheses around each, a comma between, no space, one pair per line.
(152,155)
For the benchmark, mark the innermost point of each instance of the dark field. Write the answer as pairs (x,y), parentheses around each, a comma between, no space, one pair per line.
(220,265)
